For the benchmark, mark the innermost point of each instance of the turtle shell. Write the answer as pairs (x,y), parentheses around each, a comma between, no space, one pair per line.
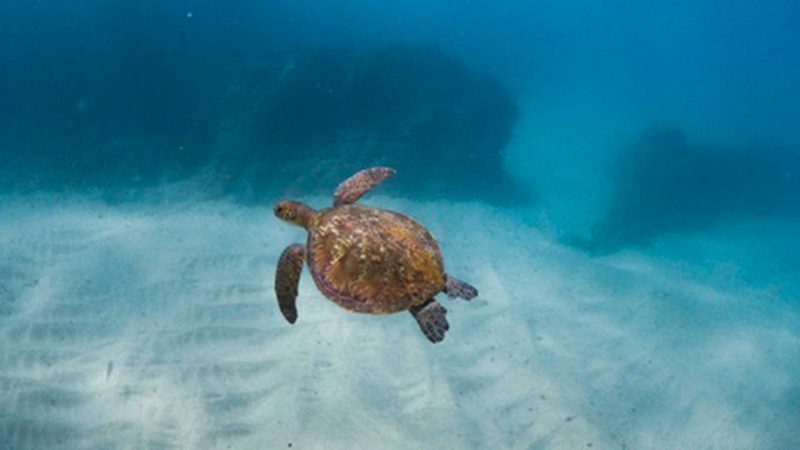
(371,260)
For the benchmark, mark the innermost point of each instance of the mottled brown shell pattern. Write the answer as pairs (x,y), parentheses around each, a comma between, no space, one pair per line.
(371,260)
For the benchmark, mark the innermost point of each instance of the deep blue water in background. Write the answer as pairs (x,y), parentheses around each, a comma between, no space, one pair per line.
(530,100)
(615,128)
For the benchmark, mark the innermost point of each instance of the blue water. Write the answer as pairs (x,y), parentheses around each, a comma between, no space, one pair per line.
(619,179)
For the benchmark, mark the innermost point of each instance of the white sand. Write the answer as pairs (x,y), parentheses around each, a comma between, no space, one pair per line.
(155,325)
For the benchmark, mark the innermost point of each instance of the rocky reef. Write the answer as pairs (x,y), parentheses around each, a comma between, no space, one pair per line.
(664,183)
(273,122)
(321,114)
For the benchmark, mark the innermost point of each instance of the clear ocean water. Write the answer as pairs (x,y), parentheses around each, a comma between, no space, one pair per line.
(619,179)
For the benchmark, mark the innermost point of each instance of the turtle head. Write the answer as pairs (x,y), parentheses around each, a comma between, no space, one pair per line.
(295,212)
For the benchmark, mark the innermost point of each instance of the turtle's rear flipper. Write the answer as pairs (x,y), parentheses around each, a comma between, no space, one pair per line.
(455,288)
(287,277)
(431,318)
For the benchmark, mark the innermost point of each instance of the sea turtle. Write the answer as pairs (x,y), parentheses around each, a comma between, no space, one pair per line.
(367,259)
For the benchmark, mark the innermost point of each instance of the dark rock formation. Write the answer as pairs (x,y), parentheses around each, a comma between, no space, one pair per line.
(322,114)
(282,122)
(665,184)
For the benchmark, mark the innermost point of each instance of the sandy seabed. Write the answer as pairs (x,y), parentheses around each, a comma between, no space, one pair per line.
(154,325)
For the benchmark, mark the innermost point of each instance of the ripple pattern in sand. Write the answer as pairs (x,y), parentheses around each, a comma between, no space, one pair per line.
(155,327)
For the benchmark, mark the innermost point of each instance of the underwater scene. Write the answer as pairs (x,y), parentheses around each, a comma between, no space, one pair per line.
(415,224)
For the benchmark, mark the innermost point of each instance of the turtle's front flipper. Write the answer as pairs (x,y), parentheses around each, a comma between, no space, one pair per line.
(287,277)
(354,187)
(431,318)
(455,288)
